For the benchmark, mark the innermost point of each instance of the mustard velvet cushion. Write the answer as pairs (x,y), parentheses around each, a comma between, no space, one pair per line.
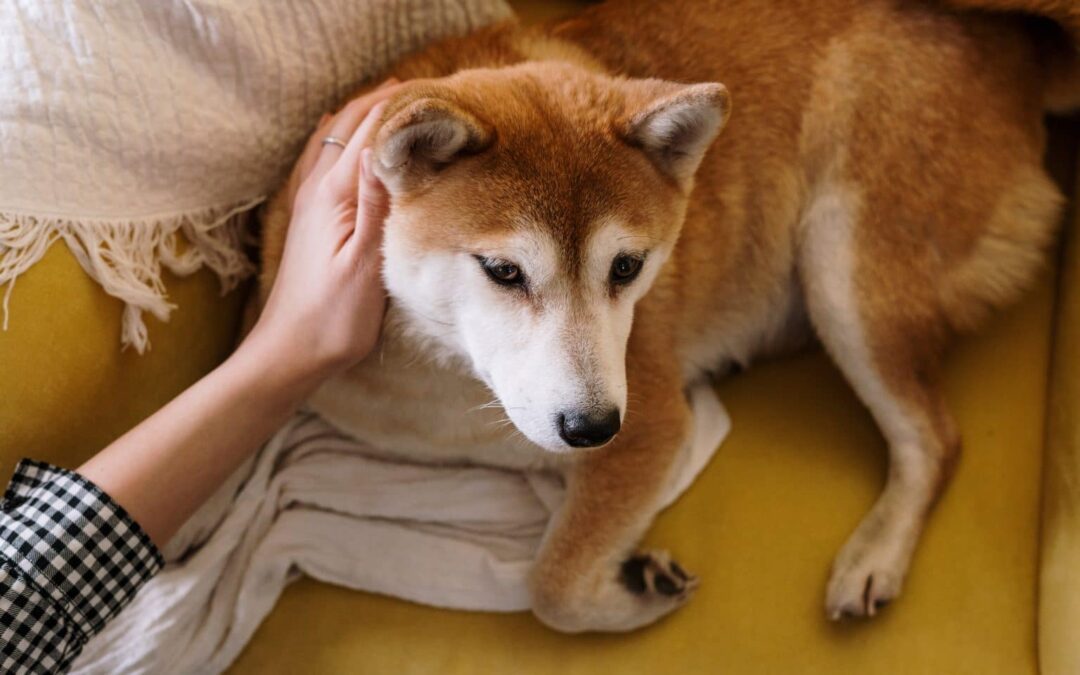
(66,388)
(803,463)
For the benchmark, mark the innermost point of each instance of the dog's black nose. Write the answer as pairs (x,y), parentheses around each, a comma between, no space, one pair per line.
(583,429)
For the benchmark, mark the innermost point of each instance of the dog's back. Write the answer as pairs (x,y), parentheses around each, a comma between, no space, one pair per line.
(932,119)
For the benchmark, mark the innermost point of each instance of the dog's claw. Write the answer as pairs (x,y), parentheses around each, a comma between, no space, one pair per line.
(655,572)
(679,572)
(666,585)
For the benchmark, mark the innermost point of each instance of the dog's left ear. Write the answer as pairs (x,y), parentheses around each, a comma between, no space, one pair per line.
(425,135)
(678,125)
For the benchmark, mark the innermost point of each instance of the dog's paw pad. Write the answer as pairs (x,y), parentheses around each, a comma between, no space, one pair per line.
(655,572)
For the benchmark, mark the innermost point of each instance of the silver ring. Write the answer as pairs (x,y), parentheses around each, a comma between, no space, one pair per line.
(334,140)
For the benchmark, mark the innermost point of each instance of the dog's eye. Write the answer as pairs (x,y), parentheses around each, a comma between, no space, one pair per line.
(625,268)
(502,272)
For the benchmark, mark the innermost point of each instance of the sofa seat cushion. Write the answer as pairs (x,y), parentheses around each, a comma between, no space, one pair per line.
(803,463)
(68,389)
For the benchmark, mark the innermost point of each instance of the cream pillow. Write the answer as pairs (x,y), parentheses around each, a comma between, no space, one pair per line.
(127,127)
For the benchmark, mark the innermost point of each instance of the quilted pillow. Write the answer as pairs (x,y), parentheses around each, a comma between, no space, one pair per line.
(128,128)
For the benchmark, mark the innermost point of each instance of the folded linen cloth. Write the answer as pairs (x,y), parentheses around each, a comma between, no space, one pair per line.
(140,133)
(316,502)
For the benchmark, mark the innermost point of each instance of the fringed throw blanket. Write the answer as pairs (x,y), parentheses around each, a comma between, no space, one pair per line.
(140,133)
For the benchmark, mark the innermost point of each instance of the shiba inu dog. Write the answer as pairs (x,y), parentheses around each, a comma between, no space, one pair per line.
(571,232)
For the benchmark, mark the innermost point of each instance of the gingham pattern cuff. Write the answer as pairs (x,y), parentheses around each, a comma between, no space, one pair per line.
(70,559)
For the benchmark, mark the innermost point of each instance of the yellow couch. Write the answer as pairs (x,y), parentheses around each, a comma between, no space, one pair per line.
(801,466)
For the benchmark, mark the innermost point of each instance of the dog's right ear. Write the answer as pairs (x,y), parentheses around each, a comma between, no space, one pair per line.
(422,137)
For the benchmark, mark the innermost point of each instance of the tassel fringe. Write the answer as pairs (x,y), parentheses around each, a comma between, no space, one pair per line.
(126,257)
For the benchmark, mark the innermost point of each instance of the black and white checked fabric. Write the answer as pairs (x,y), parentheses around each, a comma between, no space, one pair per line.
(70,559)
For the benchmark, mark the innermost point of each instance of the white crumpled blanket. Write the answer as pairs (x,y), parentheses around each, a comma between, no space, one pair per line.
(318,503)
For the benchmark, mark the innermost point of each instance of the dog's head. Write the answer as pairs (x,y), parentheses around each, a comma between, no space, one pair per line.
(533,206)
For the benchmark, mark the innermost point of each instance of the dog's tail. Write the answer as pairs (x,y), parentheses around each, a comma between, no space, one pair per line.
(1056,31)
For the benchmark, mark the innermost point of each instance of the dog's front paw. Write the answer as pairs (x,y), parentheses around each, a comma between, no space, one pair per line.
(637,592)
(654,572)
(867,574)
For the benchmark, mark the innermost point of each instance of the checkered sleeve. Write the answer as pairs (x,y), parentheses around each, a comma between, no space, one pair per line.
(70,559)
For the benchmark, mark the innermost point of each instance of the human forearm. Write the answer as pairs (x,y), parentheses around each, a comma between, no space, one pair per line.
(323,314)
(85,541)
(162,470)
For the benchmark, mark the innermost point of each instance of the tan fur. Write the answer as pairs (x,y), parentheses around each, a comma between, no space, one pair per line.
(898,137)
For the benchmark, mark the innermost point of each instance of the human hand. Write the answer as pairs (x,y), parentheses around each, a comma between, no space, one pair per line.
(326,306)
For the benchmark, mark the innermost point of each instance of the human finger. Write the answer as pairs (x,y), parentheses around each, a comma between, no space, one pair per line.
(346,174)
(344,125)
(372,209)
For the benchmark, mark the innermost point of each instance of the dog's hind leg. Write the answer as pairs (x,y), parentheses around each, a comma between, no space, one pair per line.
(587,576)
(877,317)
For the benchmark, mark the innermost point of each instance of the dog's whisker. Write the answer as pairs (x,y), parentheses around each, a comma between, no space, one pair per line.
(493,403)
(425,317)
(501,422)
(515,435)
